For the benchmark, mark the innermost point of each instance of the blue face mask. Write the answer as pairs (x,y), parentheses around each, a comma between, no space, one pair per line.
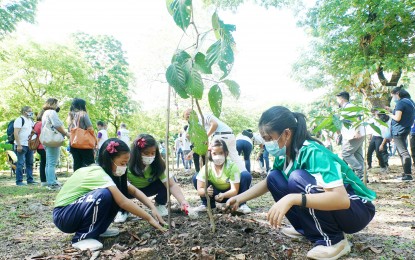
(274,149)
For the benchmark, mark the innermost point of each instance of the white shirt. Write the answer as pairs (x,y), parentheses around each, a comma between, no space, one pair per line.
(104,137)
(222,127)
(178,143)
(185,143)
(258,140)
(124,135)
(24,131)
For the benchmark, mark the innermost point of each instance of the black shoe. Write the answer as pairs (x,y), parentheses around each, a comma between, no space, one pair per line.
(407,177)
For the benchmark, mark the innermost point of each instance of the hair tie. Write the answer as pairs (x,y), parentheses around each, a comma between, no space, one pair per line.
(111,147)
(141,142)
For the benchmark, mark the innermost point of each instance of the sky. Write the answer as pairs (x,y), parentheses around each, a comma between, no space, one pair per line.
(267,44)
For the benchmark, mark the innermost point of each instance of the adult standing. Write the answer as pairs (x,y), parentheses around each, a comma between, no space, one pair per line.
(402,120)
(102,135)
(244,146)
(124,134)
(78,117)
(22,128)
(50,116)
(217,129)
(263,156)
(376,140)
(178,144)
(186,146)
(40,149)
(352,139)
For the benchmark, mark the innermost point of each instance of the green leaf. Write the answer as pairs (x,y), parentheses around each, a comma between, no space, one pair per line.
(168,5)
(233,88)
(197,134)
(216,25)
(182,11)
(324,124)
(221,53)
(201,64)
(181,57)
(176,77)
(195,85)
(215,100)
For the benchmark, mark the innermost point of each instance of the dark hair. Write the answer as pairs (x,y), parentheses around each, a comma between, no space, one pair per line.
(40,115)
(185,127)
(219,143)
(344,94)
(403,94)
(248,133)
(396,90)
(100,123)
(105,160)
(24,109)
(278,118)
(136,164)
(78,104)
(383,117)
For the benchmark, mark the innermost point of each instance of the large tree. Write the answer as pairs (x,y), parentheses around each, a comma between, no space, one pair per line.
(357,43)
(12,12)
(110,97)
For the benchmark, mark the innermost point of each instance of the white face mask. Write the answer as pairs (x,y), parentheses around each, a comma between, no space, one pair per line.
(218,159)
(120,170)
(147,160)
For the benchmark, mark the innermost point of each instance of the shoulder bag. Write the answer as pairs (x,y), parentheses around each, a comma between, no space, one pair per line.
(50,136)
(81,138)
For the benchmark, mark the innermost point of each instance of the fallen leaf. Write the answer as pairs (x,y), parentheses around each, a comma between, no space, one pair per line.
(24,216)
(70,250)
(196,249)
(237,249)
(240,257)
(405,196)
(376,250)
(173,225)
(397,251)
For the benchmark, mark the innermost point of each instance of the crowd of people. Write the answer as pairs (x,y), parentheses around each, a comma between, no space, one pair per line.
(322,195)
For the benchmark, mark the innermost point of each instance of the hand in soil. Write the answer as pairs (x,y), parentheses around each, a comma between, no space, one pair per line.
(232,204)
(157,225)
(156,216)
(219,197)
(277,212)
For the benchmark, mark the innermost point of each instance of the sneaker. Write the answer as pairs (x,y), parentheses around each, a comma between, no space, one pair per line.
(407,177)
(201,208)
(244,209)
(121,217)
(91,244)
(110,232)
(291,232)
(43,184)
(162,210)
(384,170)
(32,183)
(21,184)
(53,187)
(330,252)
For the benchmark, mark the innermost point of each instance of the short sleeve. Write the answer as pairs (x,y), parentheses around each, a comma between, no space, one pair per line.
(201,175)
(99,134)
(163,177)
(54,119)
(326,171)
(87,121)
(18,123)
(118,133)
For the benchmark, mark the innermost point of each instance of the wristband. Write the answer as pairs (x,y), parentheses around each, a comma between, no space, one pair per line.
(303,200)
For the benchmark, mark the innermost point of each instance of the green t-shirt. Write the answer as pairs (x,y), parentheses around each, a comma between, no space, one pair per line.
(221,180)
(142,182)
(326,167)
(82,181)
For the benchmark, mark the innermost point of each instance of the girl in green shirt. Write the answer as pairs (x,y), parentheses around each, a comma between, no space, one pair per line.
(147,173)
(89,200)
(318,193)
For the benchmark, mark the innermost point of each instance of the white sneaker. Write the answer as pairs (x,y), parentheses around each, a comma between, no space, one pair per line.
(330,252)
(244,209)
(291,232)
(201,208)
(110,232)
(121,217)
(91,244)
(43,184)
(162,210)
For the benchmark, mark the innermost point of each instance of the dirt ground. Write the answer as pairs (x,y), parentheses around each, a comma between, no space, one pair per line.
(27,230)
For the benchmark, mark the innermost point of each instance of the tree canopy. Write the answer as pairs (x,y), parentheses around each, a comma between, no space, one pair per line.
(12,12)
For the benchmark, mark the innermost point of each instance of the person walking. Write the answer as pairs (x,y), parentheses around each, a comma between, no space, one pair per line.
(352,139)
(402,120)
(41,150)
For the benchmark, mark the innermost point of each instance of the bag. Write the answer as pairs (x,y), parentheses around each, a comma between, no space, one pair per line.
(81,138)
(10,131)
(34,140)
(50,137)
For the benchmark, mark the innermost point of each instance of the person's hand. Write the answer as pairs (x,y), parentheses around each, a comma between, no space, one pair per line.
(189,157)
(19,148)
(156,215)
(279,209)
(381,147)
(232,204)
(157,225)
(185,207)
(210,191)
(219,197)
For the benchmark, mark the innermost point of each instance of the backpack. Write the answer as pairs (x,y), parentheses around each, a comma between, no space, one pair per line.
(10,131)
